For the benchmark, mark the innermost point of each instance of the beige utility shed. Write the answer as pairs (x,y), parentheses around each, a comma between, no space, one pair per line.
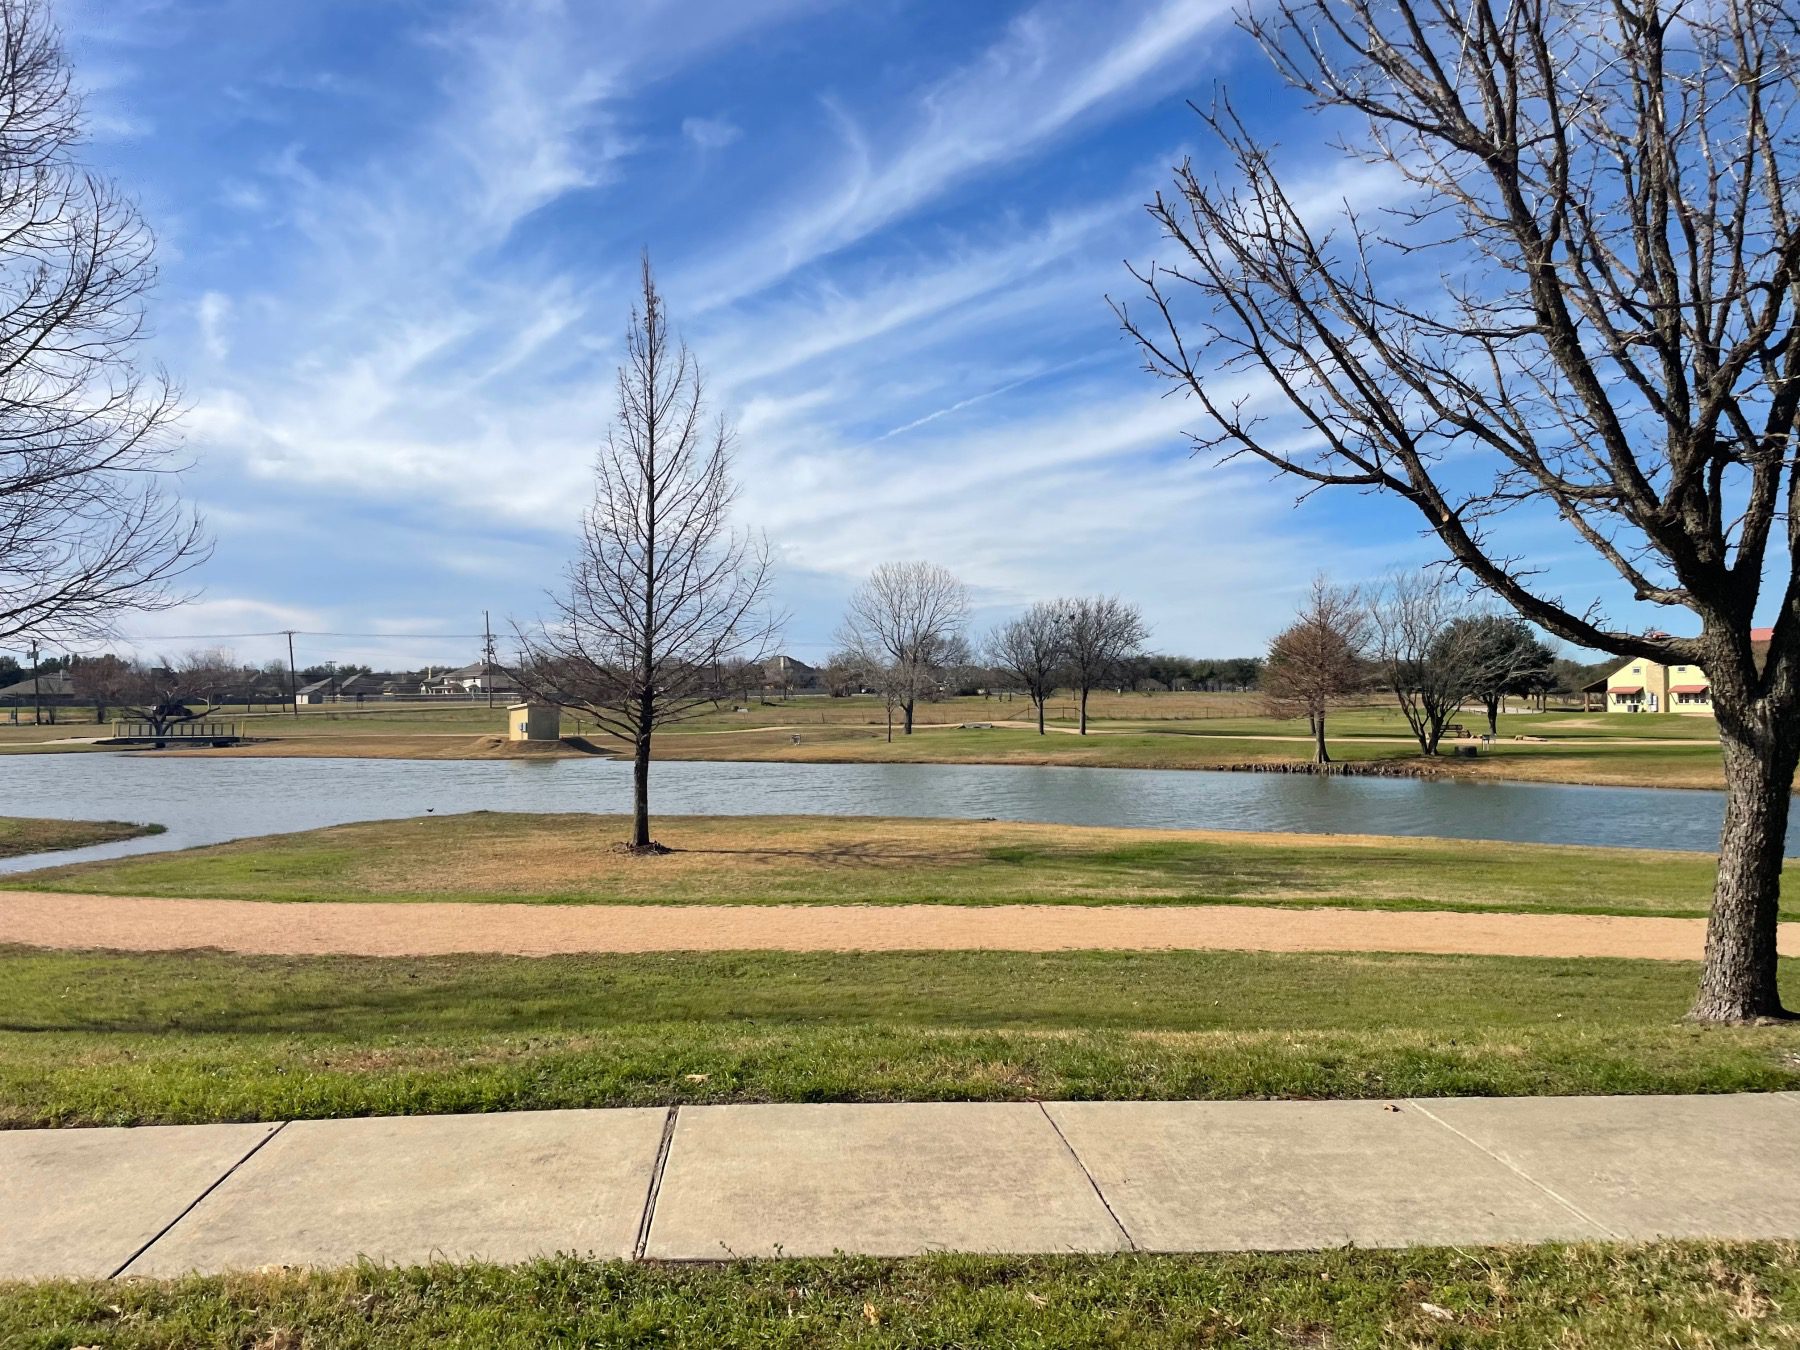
(533,722)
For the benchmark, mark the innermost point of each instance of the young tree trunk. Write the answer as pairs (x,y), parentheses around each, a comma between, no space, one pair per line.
(640,791)
(1738,976)
(906,717)
(1320,754)
(1493,712)
(1040,713)
(1084,694)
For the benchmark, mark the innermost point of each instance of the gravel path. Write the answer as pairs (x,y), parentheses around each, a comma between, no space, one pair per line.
(42,919)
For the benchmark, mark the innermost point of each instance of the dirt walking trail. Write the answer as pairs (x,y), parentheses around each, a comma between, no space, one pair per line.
(44,919)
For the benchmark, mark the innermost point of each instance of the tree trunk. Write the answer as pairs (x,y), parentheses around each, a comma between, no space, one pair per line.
(1738,976)
(1040,713)
(1084,694)
(1493,712)
(906,717)
(1320,754)
(640,792)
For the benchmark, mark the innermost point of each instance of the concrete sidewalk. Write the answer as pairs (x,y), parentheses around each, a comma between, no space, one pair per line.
(709,1182)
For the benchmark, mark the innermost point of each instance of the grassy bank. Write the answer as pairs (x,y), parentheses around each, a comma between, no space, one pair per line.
(491,856)
(188,1037)
(21,835)
(1577,1296)
(1163,730)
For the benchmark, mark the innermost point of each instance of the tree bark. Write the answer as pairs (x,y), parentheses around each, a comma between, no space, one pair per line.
(640,791)
(1084,694)
(1493,713)
(1320,754)
(906,717)
(1738,976)
(1040,713)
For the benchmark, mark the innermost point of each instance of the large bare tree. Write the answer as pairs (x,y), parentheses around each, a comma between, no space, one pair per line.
(904,626)
(1580,309)
(1100,632)
(1033,649)
(664,593)
(1318,659)
(87,525)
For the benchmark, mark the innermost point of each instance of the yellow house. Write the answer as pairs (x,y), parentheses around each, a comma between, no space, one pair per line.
(1646,686)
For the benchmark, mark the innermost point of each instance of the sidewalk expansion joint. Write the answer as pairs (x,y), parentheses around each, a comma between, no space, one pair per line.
(194,1204)
(1100,1195)
(657,1168)
(1515,1169)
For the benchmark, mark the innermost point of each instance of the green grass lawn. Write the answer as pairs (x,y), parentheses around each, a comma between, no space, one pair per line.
(101,1038)
(1582,1297)
(493,856)
(20,835)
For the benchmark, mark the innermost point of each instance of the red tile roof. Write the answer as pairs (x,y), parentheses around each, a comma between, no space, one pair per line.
(1627,689)
(1688,688)
(1762,634)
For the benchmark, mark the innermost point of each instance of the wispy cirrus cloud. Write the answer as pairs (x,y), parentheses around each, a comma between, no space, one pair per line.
(408,277)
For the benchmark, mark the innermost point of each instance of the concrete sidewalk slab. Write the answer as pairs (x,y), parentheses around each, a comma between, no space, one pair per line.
(417,1188)
(876,1180)
(1645,1167)
(83,1202)
(1227,1176)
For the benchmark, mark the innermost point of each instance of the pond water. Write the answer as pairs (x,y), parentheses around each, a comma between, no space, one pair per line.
(206,801)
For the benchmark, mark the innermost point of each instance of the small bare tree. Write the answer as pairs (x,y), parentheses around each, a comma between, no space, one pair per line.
(1033,649)
(1099,633)
(663,594)
(904,626)
(87,528)
(1512,660)
(1426,653)
(1608,191)
(1318,659)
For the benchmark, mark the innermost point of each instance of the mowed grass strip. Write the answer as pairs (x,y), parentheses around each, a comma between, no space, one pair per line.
(569,859)
(108,1039)
(1582,1297)
(21,835)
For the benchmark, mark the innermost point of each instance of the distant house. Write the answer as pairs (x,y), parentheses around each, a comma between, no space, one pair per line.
(51,689)
(1648,686)
(789,675)
(319,691)
(479,677)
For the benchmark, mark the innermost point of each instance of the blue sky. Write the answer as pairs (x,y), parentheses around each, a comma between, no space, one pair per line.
(398,237)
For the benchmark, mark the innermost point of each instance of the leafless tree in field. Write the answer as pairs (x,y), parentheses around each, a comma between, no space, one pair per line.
(904,626)
(1606,192)
(1099,633)
(1427,653)
(162,693)
(1318,659)
(1033,649)
(664,594)
(87,527)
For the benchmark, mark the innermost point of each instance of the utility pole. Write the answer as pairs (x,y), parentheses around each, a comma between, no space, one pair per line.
(293,679)
(487,657)
(37,702)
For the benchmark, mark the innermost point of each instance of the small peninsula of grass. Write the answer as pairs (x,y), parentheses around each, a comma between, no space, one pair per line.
(23,835)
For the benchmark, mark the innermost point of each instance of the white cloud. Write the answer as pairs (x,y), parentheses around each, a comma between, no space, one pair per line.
(710,133)
(213,314)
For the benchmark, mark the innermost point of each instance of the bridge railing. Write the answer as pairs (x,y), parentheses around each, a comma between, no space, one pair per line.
(196,730)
